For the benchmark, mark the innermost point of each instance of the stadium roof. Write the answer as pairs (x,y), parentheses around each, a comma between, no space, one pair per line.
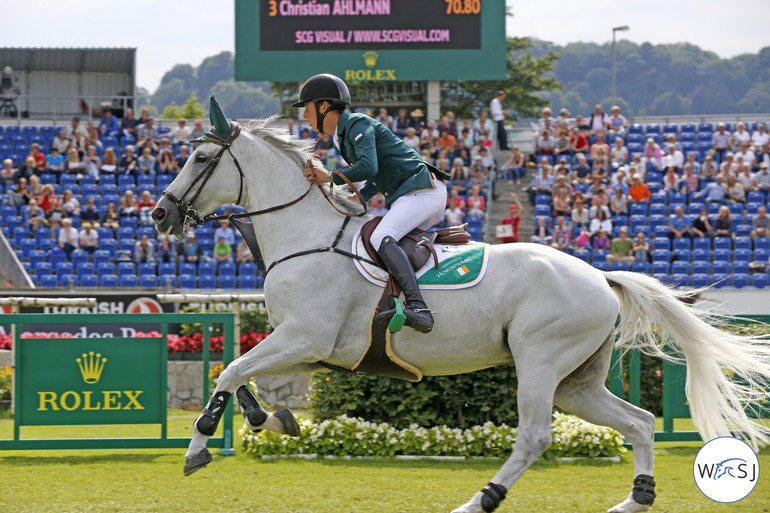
(100,60)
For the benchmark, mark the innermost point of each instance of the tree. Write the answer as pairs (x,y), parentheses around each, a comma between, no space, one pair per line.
(184,72)
(172,91)
(214,69)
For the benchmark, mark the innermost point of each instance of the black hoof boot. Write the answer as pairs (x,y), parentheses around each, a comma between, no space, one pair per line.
(493,495)
(209,420)
(194,463)
(644,489)
(253,412)
(290,425)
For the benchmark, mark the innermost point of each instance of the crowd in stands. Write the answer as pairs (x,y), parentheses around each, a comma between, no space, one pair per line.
(686,203)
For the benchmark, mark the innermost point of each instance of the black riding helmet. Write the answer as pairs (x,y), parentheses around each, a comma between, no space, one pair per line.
(323,87)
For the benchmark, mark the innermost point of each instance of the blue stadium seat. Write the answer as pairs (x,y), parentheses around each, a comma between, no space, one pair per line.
(742,243)
(248,268)
(660,267)
(247,281)
(740,280)
(169,279)
(88,280)
(742,255)
(43,268)
(85,268)
(760,280)
(188,281)
(148,280)
(48,281)
(723,243)
(188,268)
(36,256)
(661,255)
(700,267)
(227,281)
(126,244)
(720,267)
(67,280)
(680,280)
(207,281)
(129,280)
(601,265)
(680,267)
(146,268)
(740,266)
(762,243)
(700,280)
(64,267)
(166,268)
(207,268)
(641,267)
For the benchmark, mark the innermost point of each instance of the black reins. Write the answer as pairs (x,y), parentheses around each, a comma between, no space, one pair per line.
(189,215)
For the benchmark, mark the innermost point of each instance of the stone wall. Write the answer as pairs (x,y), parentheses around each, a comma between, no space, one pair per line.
(185,387)
(5,358)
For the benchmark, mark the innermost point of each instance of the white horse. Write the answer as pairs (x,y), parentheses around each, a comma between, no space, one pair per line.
(552,314)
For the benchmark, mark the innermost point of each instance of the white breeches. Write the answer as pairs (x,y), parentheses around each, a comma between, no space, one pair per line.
(421,208)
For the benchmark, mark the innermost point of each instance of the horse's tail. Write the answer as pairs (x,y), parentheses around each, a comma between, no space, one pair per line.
(725,371)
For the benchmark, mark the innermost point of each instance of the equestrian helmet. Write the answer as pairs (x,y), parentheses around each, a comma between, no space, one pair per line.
(324,87)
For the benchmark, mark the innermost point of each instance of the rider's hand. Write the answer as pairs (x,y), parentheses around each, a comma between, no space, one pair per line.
(315,173)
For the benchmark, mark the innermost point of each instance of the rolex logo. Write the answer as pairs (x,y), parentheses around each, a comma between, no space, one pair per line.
(370,59)
(91,366)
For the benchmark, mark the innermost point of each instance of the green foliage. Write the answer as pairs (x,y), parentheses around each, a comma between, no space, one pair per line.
(172,91)
(455,401)
(190,110)
(345,436)
(6,382)
(184,72)
(252,320)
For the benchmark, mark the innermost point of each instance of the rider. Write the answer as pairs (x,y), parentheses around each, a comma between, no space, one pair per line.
(413,189)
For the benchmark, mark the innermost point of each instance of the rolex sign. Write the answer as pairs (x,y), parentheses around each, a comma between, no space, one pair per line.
(92,381)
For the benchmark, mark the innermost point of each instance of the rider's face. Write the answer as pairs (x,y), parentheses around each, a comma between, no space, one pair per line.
(310,113)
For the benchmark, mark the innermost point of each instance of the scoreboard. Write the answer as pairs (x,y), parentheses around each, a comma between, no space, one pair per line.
(370,40)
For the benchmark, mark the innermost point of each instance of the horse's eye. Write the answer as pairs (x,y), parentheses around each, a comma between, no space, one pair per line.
(201,157)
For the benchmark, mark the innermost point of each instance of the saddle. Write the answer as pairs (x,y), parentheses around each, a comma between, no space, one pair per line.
(417,244)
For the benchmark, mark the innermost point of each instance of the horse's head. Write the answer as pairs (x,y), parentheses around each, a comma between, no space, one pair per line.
(210,178)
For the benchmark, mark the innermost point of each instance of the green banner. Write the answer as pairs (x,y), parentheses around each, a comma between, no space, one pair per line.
(92,381)
(461,268)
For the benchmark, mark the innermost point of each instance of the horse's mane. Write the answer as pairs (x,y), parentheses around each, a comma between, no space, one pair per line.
(298,151)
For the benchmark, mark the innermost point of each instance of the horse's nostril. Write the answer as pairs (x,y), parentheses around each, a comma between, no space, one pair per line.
(159,213)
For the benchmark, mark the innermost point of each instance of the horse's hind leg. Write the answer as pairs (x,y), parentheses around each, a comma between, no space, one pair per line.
(584,393)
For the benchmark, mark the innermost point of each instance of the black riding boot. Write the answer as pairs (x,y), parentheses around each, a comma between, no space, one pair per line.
(418,316)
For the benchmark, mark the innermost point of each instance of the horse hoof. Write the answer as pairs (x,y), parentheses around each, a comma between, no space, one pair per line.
(290,425)
(194,463)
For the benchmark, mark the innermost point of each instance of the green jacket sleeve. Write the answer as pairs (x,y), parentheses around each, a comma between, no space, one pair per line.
(364,142)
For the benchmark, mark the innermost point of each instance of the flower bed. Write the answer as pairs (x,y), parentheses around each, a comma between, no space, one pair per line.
(176,343)
(346,436)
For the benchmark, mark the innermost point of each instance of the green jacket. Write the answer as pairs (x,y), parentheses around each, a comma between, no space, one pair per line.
(375,154)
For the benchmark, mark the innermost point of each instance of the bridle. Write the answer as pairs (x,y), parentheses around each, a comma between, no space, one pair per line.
(189,215)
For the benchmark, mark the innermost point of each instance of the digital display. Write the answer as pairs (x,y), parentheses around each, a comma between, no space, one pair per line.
(369,25)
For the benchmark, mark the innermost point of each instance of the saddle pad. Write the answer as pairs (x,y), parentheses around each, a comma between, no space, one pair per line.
(460,266)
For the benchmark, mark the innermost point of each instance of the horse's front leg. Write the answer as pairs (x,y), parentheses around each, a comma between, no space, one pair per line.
(285,350)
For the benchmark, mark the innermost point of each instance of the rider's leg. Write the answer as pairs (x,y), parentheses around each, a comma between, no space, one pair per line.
(422,209)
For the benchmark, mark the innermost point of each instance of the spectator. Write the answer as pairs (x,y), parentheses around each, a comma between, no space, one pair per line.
(37,156)
(513,218)
(689,181)
(412,139)
(400,124)
(448,125)
(88,238)
(377,206)
(582,173)
(61,142)
(746,155)
(599,122)
(145,206)
(739,136)
(728,166)
(74,165)
(714,192)
(746,178)
(579,214)
(723,225)
(110,162)
(653,156)
(542,233)
(583,240)
(670,181)
(145,165)
(226,231)
(599,150)
(545,144)
(92,136)
(243,253)
(76,130)
(701,227)
(476,203)
(55,215)
(619,153)
(618,203)
(453,214)
(69,239)
(166,160)
(617,123)
(482,125)
(54,161)
(111,218)
(762,178)
(147,135)
(641,248)
(621,249)
(478,177)
(759,138)
(92,162)
(514,166)
(561,235)
(181,159)
(70,204)
(735,191)
(44,200)
(564,117)
(90,213)
(35,217)
(679,225)
(760,225)
(144,251)
(638,192)
(199,131)
(181,132)
(600,223)
(129,164)
(600,202)
(601,242)
(8,174)
(29,168)
(498,116)
(109,126)
(223,252)
(418,120)
(165,252)
(562,146)
(455,199)
(128,124)
(128,205)
(446,141)
(720,140)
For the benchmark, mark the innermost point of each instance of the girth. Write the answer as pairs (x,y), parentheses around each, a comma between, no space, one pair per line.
(417,244)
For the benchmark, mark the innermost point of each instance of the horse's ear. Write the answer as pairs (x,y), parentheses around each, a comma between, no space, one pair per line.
(219,121)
